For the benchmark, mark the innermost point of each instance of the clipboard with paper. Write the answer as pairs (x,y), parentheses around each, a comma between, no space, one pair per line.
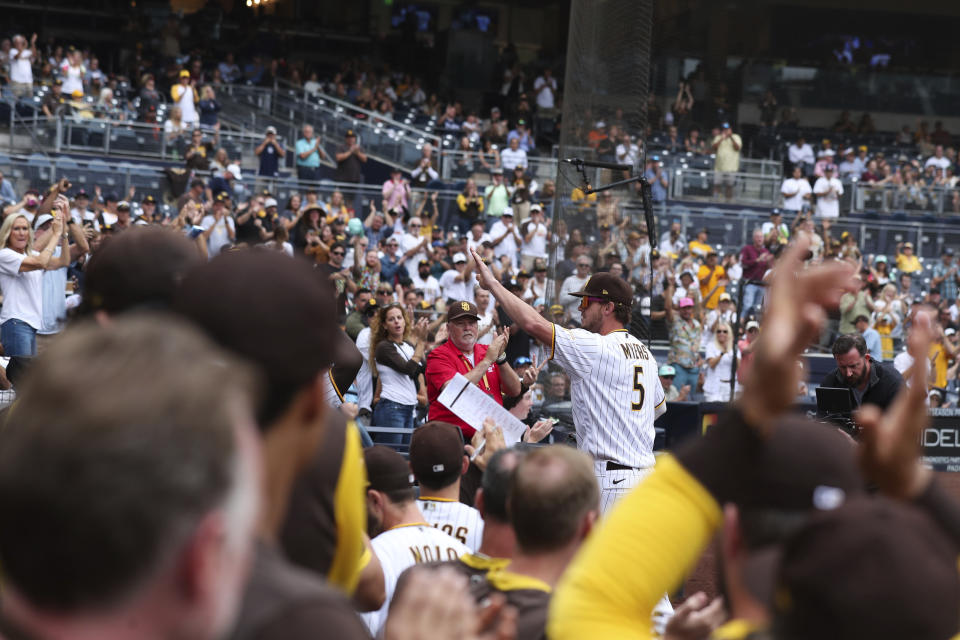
(469,403)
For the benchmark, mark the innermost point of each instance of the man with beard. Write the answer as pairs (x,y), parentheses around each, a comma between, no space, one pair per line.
(871,381)
(484,366)
(614,385)
(423,281)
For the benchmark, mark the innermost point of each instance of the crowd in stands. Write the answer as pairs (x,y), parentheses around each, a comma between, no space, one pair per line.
(274,298)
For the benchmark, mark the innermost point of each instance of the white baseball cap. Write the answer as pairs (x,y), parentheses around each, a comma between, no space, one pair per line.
(270,202)
(234,169)
(459,257)
(507,211)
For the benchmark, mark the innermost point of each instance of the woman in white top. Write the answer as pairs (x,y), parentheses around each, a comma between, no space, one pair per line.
(397,364)
(174,127)
(21,281)
(73,72)
(185,96)
(719,353)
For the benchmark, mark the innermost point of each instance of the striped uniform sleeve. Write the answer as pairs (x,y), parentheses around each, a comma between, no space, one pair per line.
(331,394)
(575,350)
(659,397)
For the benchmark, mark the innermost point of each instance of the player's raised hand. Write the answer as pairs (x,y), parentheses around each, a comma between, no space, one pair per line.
(794,317)
(485,277)
(695,618)
(890,442)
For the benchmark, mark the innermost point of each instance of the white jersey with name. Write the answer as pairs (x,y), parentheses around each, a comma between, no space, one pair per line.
(615,392)
(399,549)
(454,518)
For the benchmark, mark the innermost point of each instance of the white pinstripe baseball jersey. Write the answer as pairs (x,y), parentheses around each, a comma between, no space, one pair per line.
(364,379)
(456,519)
(402,547)
(330,393)
(615,392)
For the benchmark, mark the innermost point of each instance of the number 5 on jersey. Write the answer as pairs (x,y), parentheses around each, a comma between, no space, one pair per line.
(638,386)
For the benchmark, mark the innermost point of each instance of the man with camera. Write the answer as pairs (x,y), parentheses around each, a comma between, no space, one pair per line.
(871,381)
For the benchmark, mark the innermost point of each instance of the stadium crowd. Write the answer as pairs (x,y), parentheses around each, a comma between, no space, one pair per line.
(544,564)
(317,329)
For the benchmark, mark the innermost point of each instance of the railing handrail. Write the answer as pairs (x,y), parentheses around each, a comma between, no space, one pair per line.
(302,96)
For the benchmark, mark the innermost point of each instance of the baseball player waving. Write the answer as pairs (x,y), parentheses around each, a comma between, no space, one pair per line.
(615,389)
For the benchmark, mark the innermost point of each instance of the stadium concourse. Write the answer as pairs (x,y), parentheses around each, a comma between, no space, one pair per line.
(343,244)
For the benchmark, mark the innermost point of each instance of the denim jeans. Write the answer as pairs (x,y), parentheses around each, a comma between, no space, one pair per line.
(392,414)
(686,375)
(18,338)
(752,297)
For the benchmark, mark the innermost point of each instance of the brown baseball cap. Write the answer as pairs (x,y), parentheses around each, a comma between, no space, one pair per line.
(139,269)
(288,332)
(871,569)
(436,453)
(386,469)
(609,287)
(461,309)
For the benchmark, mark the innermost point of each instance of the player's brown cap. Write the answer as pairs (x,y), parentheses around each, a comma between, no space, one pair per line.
(139,269)
(287,331)
(436,453)
(461,309)
(843,563)
(609,287)
(386,469)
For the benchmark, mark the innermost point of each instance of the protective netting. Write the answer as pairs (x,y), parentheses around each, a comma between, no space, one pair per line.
(607,82)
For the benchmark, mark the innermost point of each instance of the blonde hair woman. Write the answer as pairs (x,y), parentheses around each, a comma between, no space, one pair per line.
(719,360)
(174,127)
(397,363)
(21,280)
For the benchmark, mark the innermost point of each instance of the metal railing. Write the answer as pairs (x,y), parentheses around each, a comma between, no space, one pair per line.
(727,227)
(745,188)
(387,140)
(915,199)
(460,165)
(131,139)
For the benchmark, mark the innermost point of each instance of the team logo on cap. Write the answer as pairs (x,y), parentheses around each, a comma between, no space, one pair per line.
(438,468)
(465,306)
(604,291)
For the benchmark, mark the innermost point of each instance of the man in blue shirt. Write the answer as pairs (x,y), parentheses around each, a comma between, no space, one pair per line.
(309,153)
(270,151)
(7,193)
(870,335)
(391,263)
(657,179)
(527,142)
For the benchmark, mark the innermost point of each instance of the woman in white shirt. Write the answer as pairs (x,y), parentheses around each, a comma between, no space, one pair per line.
(73,73)
(397,363)
(719,357)
(21,281)
(174,127)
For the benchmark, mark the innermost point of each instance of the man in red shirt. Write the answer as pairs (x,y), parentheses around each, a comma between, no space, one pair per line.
(484,366)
